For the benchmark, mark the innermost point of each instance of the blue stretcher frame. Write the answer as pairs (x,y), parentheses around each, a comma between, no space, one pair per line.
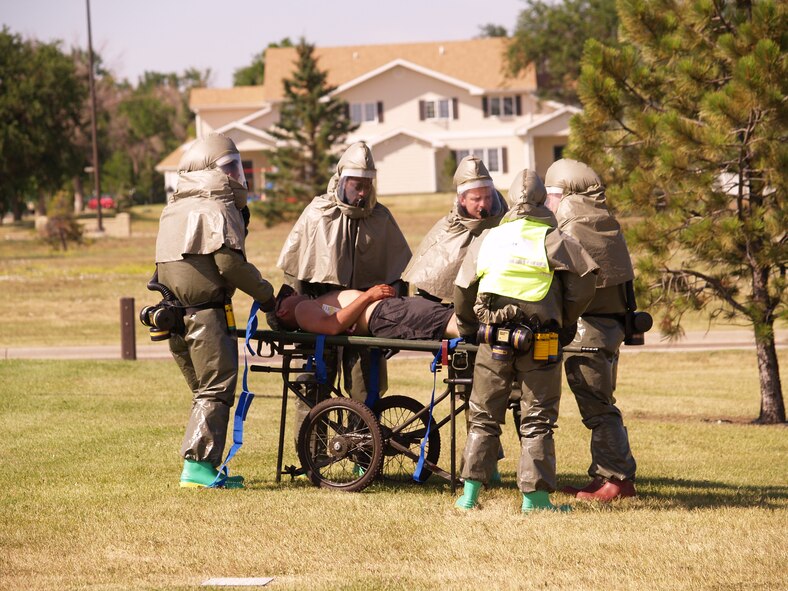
(299,346)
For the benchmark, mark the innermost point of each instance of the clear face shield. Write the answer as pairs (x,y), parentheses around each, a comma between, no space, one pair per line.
(356,186)
(553,198)
(478,199)
(230,165)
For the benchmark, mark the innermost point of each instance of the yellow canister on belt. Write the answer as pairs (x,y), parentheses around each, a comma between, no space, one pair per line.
(552,354)
(541,346)
(228,312)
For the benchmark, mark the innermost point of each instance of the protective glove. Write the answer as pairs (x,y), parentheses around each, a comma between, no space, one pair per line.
(273,321)
(567,334)
(247,216)
(268,306)
(470,338)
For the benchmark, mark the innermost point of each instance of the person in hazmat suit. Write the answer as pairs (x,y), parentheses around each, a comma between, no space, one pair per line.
(437,260)
(519,285)
(200,258)
(577,195)
(478,206)
(346,239)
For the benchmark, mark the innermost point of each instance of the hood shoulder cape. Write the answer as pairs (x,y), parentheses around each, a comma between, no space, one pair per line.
(327,245)
(438,258)
(586,218)
(200,219)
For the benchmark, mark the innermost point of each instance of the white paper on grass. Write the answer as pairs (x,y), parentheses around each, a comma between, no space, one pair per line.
(238,582)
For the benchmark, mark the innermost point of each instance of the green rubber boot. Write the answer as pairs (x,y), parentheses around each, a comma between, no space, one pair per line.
(202,474)
(540,501)
(495,479)
(470,496)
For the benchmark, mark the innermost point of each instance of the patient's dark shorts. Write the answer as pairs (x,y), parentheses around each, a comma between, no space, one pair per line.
(413,318)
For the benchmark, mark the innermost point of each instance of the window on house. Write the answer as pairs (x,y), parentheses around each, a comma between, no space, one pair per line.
(494,158)
(437,109)
(502,106)
(364,112)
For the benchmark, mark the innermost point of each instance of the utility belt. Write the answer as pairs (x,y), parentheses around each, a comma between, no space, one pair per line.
(505,339)
(167,317)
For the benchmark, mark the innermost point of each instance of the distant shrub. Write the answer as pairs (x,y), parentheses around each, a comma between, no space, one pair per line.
(61,227)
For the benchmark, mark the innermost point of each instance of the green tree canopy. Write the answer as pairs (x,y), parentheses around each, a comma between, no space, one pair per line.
(148,122)
(492,30)
(687,121)
(551,35)
(254,73)
(40,100)
(311,127)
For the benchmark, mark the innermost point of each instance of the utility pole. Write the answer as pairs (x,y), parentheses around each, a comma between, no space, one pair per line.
(96,175)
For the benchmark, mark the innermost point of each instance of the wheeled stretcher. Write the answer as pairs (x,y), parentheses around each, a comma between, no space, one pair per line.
(345,444)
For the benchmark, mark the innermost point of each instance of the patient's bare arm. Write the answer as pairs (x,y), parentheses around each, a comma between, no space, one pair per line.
(312,318)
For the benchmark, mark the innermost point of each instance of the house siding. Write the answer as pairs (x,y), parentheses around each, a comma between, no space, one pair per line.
(405,166)
(409,149)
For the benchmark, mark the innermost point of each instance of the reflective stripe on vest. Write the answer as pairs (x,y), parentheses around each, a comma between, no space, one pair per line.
(513,261)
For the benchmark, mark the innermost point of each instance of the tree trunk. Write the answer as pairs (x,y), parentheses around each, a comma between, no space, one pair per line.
(17,209)
(772,404)
(41,204)
(79,195)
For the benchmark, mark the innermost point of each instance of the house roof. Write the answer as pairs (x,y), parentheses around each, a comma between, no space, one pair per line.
(171,160)
(372,142)
(227,98)
(477,62)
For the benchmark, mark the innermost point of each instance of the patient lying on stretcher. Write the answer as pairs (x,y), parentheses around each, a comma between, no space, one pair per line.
(374,312)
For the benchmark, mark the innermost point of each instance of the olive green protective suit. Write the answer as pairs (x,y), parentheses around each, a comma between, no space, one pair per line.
(200,258)
(336,245)
(437,260)
(570,291)
(434,266)
(583,214)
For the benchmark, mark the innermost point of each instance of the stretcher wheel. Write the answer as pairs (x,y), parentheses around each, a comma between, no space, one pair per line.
(340,445)
(393,411)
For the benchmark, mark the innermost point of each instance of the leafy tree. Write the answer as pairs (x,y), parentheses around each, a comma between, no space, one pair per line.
(40,99)
(148,122)
(491,30)
(254,73)
(687,120)
(108,93)
(551,35)
(311,126)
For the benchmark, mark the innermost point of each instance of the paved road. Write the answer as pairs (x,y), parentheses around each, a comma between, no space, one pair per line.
(693,341)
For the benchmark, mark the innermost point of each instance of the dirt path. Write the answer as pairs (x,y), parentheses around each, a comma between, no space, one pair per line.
(692,341)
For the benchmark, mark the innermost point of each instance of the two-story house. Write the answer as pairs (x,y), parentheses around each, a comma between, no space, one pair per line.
(415,104)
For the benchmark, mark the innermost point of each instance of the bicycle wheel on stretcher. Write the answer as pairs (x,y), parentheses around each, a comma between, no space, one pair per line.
(402,430)
(340,445)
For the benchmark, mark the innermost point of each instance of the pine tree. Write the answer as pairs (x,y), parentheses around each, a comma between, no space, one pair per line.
(686,121)
(312,125)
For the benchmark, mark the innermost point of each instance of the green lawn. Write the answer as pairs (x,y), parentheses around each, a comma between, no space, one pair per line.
(90,498)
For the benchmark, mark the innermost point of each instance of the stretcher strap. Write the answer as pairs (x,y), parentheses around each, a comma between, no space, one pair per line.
(243,404)
(317,362)
(373,392)
(441,358)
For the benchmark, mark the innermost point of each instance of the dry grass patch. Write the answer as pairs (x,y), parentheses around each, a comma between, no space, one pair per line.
(90,498)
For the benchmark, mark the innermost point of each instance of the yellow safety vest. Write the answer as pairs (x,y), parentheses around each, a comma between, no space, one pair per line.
(513,261)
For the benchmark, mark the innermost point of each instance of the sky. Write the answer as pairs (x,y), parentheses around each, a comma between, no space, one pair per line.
(134,36)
